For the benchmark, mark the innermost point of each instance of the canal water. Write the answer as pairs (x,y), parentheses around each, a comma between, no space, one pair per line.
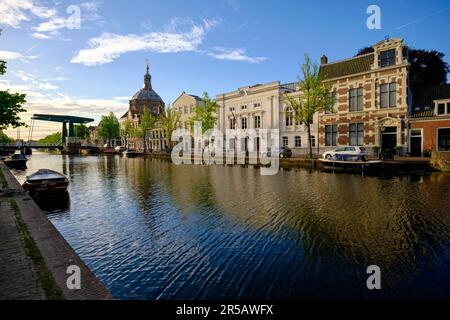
(151,230)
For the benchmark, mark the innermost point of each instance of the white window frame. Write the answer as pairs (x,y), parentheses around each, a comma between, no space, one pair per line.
(289,114)
(259,121)
(437,136)
(295,141)
(421,136)
(246,123)
(446,103)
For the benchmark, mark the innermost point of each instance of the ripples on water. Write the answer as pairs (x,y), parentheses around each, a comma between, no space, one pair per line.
(152,230)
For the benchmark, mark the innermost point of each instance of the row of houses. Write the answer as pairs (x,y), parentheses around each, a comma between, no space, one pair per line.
(374,107)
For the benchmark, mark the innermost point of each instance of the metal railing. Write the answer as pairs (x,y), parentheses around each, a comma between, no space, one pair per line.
(290,86)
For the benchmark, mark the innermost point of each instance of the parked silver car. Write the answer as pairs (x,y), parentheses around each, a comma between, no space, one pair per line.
(350,150)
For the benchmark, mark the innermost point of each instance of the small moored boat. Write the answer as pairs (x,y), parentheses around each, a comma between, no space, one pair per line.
(351,164)
(16,160)
(45,180)
(131,153)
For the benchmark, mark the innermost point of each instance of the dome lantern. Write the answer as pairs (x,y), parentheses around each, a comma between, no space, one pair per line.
(147,79)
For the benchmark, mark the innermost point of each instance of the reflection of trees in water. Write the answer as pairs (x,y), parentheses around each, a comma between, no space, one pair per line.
(143,177)
(368,219)
(191,186)
(76,168)
(392,222)
(108,178)
(58,203)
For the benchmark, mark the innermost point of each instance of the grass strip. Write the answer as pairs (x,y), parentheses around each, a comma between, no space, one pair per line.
(3,180)
(51,289)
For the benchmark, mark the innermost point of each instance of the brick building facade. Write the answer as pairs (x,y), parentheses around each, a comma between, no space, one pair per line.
(371,93)
(430,120)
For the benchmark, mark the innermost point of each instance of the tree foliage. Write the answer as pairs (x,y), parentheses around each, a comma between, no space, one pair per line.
(2,67)
(314,95)
(127,127)
(147,122)
(10,105)
(206,112)
(427,67)
(54,138)
(169,122)
(81,131)
(109,127)
(4,138)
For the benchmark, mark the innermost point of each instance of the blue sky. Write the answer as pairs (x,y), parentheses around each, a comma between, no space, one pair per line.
(192,46)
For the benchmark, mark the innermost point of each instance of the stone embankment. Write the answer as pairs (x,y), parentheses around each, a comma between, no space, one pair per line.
(34,257)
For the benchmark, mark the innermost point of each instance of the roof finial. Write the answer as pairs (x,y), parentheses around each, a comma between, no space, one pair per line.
(148,67)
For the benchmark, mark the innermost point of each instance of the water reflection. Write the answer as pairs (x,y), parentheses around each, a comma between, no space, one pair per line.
(54,203)
(152,230)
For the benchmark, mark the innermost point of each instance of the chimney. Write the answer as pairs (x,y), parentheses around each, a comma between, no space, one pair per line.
(324,59)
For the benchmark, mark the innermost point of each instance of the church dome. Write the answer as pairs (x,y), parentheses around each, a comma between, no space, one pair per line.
(147,93)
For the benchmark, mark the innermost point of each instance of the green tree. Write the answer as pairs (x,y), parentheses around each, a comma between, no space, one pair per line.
(169,122)
(4,138)
(127,130)
(427,67)
(10,105)
(54,138)
(314,96)
(109,127)
(147,123)
(81,131)
(2,67)
(206,112)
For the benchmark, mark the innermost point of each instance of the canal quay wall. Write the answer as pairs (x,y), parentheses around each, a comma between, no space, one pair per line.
(404,164)
(34,257)
(440,160)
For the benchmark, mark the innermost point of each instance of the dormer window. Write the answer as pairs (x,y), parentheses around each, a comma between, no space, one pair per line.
(442,108)
(387,58)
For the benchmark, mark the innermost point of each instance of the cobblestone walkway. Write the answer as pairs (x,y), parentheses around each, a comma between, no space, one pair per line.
(17,279)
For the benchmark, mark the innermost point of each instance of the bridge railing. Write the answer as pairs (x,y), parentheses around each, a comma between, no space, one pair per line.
(74,140)
(46,145)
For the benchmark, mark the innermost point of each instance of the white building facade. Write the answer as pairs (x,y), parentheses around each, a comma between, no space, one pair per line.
(262,106)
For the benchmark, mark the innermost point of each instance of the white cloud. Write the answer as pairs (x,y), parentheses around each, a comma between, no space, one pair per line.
(76,16)
(14,12)
(53,24)
(123,98)
(20,88)
(47,86)
(109,46)
(32,86)
(41,36)
(58,103)
(13,55)
(234,55)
